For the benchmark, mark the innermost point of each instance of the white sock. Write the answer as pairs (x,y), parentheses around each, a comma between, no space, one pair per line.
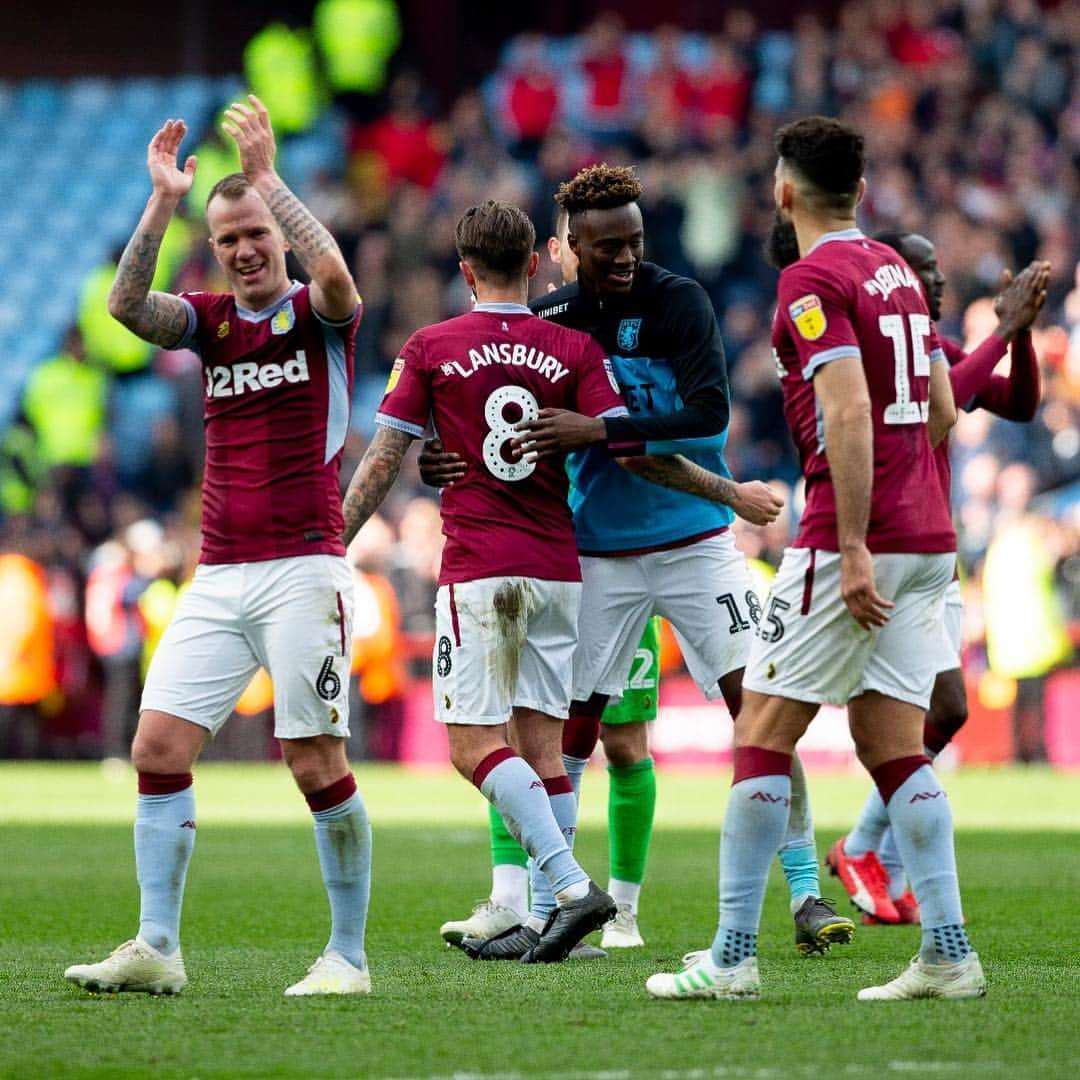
(624,893)
(510,887)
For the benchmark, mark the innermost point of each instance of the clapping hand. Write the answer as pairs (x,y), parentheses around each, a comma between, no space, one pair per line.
(168,179)
(249,125)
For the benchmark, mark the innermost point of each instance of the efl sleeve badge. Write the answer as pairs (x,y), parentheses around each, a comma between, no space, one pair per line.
(808,316)
(611,376)
(395,374)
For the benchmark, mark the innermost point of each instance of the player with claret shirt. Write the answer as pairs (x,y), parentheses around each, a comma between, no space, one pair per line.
(510,582)
(272,588)
(866,860)
(855,612)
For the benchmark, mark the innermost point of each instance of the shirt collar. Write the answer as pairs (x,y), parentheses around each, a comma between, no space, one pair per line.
(268,312)
(503,309)
(839,234)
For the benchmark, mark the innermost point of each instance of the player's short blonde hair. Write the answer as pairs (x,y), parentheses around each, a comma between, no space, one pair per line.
(232,187)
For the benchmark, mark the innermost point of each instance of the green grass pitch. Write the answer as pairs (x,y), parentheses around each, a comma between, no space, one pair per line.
(256,917)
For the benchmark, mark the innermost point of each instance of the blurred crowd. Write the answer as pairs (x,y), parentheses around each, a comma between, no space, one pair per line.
(971,109)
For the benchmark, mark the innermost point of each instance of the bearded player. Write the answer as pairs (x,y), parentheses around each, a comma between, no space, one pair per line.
(867,860)
(855,611)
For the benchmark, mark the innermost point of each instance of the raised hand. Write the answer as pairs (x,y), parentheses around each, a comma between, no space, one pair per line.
(168,179)
(249,125)
(1021,298)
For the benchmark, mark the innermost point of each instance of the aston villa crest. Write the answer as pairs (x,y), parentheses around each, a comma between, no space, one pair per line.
(629,332)
(283,320)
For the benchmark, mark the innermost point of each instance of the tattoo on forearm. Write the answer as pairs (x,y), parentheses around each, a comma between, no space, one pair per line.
(374,477)
(684,475)
(155,317)
(309,239)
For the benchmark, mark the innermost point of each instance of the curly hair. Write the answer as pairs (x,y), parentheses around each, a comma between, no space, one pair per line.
(827,153)
(599,187)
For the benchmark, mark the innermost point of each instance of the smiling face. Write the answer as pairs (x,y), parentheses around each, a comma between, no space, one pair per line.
(609,245)
(249,247)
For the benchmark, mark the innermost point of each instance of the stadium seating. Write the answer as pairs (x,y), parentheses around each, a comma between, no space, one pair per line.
(72,184)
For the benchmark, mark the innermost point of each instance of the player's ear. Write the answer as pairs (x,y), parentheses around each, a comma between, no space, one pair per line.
(534,262)
(784,191)
(468,275)
(554,249)
(861,191)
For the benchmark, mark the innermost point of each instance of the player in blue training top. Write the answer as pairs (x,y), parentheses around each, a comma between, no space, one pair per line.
(647,549)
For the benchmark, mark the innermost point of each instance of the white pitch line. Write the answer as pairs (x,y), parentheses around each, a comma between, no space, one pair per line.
(726,1072)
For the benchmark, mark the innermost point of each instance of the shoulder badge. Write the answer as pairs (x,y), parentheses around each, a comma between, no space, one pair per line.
(611,376)
(808,316)
(628,334)
(395,374)
(284,319)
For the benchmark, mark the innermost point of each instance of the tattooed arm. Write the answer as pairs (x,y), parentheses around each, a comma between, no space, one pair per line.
(374,477)
(333,291)
(155,316)
(753,501)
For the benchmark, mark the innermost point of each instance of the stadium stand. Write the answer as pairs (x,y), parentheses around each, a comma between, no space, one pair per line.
(973,120)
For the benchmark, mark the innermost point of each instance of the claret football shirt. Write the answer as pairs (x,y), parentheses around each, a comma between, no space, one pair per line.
(475,377)
(277,386)
(851,296)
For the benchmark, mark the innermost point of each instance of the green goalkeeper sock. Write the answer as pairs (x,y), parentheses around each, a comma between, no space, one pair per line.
(631,807)
(505,850)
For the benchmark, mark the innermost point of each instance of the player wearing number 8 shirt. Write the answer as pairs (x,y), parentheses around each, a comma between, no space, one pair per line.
(510,582)
(866,393)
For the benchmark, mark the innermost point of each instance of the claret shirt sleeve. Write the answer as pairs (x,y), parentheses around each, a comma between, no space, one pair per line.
(193,302)
(597,389)
(406,404)
(817,314)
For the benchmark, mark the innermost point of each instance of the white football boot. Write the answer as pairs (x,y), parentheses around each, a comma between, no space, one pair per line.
(622,932)
(331,974)
(487,920)
(701,978)
(135,967)
(963,979)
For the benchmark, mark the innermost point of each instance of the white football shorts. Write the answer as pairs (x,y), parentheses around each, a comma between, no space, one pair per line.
(703,589)
(504,642)
(953,628)
(809,648)
(291,616)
